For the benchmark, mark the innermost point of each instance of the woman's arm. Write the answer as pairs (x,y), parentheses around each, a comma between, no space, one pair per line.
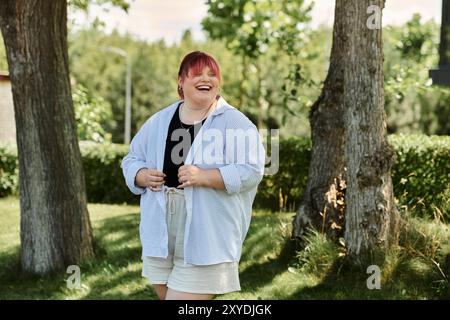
(213,179)
(135,160)
(191,176)
(245,163)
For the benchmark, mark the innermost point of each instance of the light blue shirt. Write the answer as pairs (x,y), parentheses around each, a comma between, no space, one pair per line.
(217,221)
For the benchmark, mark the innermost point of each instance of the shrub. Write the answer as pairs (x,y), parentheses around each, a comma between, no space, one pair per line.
(284,189)
(421,175)
(101,163)
(104,178)
(9,170)
(319,254)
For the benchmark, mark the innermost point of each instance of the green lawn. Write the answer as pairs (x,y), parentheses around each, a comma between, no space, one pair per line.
(269,268)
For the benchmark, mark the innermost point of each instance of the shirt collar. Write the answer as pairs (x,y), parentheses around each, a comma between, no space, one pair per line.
(221,106)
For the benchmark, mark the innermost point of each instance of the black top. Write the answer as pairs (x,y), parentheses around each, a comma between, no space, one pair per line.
(178,144)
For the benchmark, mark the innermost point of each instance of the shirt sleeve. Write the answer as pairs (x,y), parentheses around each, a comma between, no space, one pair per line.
(135,160)
(245,170)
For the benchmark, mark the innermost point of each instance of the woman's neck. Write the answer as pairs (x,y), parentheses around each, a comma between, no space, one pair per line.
(190,114)
(192,106)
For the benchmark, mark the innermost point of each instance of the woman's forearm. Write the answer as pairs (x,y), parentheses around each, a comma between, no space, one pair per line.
(213,179)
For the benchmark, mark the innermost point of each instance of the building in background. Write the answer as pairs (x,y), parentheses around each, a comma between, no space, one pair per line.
(7,122)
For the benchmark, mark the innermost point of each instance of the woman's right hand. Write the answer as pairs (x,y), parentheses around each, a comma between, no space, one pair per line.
(150,178)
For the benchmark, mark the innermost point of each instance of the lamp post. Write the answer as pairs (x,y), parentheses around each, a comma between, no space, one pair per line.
(441,76)
(124,54)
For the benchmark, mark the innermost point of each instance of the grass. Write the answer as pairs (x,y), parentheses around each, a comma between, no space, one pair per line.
(270,267)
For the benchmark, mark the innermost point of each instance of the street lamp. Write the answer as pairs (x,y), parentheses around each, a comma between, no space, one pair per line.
(124,54)
(441,76)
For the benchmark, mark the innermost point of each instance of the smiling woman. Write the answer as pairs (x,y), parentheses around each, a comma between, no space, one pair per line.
(195,214)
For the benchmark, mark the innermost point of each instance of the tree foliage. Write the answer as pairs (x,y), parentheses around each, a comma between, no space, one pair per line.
(251,28)
(92,114)
(413,105)
(85,4)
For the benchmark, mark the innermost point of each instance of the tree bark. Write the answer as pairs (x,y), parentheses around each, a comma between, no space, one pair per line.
(349,185)
(372,220)
(323,206)
(55,229)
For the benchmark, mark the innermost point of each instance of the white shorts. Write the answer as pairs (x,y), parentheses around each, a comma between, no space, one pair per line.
(203,279)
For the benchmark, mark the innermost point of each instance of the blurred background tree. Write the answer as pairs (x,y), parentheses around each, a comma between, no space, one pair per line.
(413,105)
(291,77)
(92,115)
(251,29)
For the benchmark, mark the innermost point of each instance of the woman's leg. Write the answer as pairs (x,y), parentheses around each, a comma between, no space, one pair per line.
(178,295)
(161,291)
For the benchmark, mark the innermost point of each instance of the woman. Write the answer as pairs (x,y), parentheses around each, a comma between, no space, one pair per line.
(196,165)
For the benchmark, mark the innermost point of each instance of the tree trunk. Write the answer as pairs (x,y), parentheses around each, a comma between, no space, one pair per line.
(372,220)
(55,229)
(323,205)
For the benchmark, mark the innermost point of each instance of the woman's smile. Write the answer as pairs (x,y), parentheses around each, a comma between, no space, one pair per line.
(200,89)
(204,88)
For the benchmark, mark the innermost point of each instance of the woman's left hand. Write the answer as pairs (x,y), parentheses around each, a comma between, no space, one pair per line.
(190,176)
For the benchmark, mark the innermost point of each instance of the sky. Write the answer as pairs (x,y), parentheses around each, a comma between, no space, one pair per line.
(167,19)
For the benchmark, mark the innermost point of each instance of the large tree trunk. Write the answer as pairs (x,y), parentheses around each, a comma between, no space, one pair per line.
(55,229)
(323,205)
(372,220)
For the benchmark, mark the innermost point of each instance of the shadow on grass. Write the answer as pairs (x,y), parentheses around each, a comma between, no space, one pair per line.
(405,281)
(118,261)
(261,241)
(258,275)
(115,272)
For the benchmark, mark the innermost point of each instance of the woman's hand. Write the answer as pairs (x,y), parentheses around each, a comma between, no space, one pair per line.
(191,176)
(150,178)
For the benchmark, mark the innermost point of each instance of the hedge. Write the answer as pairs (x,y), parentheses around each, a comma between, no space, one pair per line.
(9,170)
(421,175)
(103,175)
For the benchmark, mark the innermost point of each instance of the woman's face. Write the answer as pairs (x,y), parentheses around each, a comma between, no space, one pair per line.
(200,89)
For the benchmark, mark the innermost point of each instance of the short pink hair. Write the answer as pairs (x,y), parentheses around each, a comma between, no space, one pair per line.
(195,62)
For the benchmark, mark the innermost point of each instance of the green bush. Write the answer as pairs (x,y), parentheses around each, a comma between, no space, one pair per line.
(320,253)
(104,178)
(103,175)
(421,175)
(284,189)
(9,170)
(92,114)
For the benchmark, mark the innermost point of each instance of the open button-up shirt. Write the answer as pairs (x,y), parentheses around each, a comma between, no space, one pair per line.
(217,221)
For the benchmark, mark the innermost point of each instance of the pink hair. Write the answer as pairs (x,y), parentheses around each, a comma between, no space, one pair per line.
(194,63)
